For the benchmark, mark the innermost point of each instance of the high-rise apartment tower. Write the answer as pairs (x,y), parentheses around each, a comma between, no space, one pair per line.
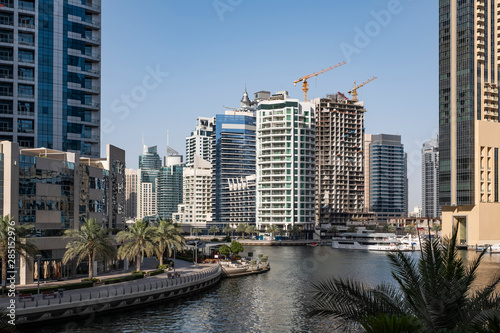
(469,129)
(50,61)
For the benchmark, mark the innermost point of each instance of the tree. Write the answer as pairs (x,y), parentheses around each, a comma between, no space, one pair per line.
(411,229)
(389,228)
(137,242)
(88,242)
(352,228)
(225,250)
(227,230)
(236,247)
(294,230)
(214,229)
(166,236)
(242,227)
(333,230)
(196,231)
(433,292)
(436,228)
(18,235)
(273,229)
(251,230)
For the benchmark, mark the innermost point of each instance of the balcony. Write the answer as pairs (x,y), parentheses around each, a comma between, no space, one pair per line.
(92,7)
(26,60)
(92,23)
(6,4)
(26,25)
(25,95)
(25,5)
(92,56)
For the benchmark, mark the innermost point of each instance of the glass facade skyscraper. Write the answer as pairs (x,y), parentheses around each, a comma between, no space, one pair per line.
(388,178)
(234,157)
(50,74)
(149,168)
(469,130)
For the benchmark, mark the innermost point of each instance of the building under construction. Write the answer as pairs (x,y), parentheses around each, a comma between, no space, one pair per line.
(340,178)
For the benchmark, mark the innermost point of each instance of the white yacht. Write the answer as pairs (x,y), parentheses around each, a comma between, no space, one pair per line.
(370,241)
(409,243)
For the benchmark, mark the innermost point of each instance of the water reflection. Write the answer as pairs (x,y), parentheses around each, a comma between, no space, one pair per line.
(273,302)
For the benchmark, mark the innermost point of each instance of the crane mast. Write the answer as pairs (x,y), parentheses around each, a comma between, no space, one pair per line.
(305,85)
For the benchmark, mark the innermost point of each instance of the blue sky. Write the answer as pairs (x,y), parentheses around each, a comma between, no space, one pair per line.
(164,63)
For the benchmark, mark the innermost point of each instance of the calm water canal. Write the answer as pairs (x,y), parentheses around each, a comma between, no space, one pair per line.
(273,302)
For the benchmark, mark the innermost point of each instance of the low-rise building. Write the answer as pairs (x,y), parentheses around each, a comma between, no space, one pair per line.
(57,191)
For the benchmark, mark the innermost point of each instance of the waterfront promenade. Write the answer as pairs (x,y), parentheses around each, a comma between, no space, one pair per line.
(104,298)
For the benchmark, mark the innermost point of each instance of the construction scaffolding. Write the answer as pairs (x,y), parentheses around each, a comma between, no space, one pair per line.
(340,175)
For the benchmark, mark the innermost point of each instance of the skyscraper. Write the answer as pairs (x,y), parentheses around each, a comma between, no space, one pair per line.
(196,209)
(430,179)
(131,193)
(170,178)
(388,178)
(149,167)
(200,141)
(339,161)
(50,74)
(234,155)
(469,132)
(285,163)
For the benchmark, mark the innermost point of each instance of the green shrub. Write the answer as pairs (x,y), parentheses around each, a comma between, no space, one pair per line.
(227,239)
(123,278)
(162,266)
(156,272)
(91,280)
(215,239)
(136,272)
(263,259)
(71,286)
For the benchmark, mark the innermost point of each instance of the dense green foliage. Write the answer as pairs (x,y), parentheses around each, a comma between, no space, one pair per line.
(138,241)
(236,247)
(18,236)
(87,243)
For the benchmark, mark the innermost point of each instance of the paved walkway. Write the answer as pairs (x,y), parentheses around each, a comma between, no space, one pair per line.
(182,267)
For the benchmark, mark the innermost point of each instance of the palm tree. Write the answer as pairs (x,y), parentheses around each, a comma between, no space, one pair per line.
(196,231)
(167,236)
(137,242)
(352,228)
(436,228)
(214,229)
(251,229)
(242,227)
(389,228)
(294,230)
(227,230)
(10,232)
(273,229)
(88,242)
(333,230)
(410,229)
(433,292)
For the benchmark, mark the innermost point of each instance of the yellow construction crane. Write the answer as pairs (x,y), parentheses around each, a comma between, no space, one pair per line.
(305,85)
(354,91)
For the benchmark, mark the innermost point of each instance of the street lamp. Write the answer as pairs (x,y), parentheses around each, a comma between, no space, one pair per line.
(38,257)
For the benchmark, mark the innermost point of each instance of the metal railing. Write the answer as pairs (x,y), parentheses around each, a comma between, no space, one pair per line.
(123,289)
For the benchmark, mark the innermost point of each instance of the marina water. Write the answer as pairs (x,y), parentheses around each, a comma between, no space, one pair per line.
(277,301)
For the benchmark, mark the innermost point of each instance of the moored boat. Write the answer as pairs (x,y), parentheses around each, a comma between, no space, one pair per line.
(369,241)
